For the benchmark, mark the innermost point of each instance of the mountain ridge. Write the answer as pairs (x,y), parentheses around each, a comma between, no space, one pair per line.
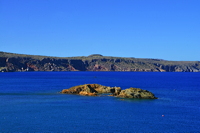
(12,62)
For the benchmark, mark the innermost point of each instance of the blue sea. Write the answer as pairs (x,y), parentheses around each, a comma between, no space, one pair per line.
(31,102)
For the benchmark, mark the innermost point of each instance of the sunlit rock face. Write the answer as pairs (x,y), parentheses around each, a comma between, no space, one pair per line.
(97,89)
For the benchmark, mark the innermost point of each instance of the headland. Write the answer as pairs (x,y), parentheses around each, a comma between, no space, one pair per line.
(10,62)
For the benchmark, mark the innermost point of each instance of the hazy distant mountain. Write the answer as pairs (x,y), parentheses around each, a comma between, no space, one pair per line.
(10,62)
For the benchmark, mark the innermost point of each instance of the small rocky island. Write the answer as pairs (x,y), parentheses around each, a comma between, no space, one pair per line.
(97,89)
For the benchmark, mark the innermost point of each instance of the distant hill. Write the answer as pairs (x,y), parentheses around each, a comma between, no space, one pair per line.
(11,62)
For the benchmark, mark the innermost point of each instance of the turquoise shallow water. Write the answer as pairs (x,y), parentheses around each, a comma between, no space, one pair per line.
(30,102)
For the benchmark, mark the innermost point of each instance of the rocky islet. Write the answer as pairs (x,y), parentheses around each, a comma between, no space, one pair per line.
(97,89)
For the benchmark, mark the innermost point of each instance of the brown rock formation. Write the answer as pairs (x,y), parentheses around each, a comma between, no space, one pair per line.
(136,93)
(91,90)
(96,89)
(87,90)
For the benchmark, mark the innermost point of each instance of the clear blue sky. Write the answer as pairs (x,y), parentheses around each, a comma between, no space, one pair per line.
(163,29)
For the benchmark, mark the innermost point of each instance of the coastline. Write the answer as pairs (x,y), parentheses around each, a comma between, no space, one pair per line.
(10,62)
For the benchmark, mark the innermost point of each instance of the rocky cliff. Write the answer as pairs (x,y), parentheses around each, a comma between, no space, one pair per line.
(10,62)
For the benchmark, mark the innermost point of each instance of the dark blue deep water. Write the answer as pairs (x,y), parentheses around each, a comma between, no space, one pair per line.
(30,102)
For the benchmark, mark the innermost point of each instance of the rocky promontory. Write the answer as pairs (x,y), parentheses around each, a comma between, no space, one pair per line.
(10,62)
(97,89)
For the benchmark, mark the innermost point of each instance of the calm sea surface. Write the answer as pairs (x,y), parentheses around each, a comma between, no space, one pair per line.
(30,102)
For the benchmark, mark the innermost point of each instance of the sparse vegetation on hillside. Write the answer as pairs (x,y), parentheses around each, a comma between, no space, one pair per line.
(96,62)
